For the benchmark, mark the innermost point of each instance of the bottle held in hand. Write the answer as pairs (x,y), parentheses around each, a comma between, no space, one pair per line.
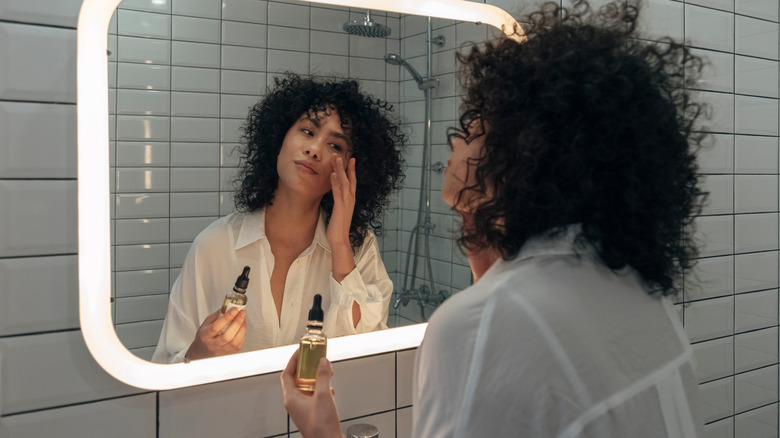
(237,296)
(313,347)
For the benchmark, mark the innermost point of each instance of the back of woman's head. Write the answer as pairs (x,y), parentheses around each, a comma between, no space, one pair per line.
(377,145)
(587,124)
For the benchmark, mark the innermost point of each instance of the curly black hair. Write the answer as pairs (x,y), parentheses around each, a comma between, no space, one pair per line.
(377,146)
(587,123)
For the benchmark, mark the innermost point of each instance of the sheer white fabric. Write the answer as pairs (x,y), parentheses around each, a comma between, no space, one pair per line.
(554,344)
(221,251)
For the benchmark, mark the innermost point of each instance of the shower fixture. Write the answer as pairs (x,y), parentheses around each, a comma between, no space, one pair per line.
(422,84)
(367,27)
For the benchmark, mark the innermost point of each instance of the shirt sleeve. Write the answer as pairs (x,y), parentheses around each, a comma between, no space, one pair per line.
(369,286)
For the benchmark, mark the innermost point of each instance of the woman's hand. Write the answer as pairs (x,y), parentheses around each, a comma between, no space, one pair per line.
(315,413)
(343,184)
(219,335)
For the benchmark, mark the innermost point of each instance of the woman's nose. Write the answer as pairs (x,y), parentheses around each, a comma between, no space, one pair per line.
(314,149)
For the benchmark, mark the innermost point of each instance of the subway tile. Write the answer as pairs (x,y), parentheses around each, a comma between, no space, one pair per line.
(714,359)
(329,65)
(283,61)
(185,229)
(140,231)
(50,370)
(189,411)
(142,153)
(662,18)
(45,294)
(62,13)
(354,379)
(128,417)
(755,232)
(226,204)
(709,28)
(142,180)
(761,422)
(243,82)
(236,106)
(287,38)
(755,154)
(205,80)
(244,58)
(236,33)
(717,399)
(755,310)
(765,9)
(143,102)
(142,205)
(141,308)
(143,76)
(403,426)
(194,129)
(756,37)
(328,19)
(139,334)
(160,6)
(755,349)
(717,154)
(718,73)
(195,54)
(755,193)
(30,152)
(139,128)
(756,76)
(194,154)
(367,69)
(179,253)
(245,10)
(143,24)
(755,115)
(143,282)
(755,388)
(709,319)
(50,75)
(756,271)
(226,177)
(34,230)
(194,179)
(291,15)
(200,30)
(329,43)
(720,429)
(721,194)
(140,257)
(230,130)
(194,204)
(197,8)
(143,50)
(185,104)
(404,376)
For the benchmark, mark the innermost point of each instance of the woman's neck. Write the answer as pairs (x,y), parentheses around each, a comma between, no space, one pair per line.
(480,260)
(291,219)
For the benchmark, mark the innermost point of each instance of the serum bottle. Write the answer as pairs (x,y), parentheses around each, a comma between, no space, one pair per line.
(237,296)
(313,347)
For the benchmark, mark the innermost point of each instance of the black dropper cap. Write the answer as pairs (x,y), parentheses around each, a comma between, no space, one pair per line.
(316,313)
(242,281)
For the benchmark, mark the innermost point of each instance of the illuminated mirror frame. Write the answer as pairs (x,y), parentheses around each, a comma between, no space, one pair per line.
(94,217)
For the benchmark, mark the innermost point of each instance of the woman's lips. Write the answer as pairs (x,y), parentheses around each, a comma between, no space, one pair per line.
(305,167)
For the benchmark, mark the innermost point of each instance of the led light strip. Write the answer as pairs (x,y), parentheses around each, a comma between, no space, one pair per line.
(94,217)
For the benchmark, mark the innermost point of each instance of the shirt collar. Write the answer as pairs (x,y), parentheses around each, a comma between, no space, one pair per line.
(556,241)
(253,229)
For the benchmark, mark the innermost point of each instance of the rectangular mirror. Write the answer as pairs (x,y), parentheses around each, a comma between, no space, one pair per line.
(158,121)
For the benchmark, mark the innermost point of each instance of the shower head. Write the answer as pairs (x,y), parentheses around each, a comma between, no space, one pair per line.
(393,59)
(367,28)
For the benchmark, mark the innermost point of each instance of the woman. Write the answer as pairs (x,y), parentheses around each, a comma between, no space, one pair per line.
(574,173)
(319,163)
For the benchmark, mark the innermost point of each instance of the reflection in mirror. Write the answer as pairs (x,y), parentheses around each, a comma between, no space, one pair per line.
(182,76)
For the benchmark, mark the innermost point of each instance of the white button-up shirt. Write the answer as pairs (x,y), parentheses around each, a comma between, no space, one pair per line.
(219,254)
(555,344)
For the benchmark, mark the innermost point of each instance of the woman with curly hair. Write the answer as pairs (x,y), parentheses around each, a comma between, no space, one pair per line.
(574,172)
(319,162)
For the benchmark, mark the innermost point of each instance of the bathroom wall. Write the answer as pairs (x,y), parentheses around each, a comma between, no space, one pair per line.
(49,383)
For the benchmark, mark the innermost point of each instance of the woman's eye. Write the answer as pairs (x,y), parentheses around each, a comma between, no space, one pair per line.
(306,131)
(336,147)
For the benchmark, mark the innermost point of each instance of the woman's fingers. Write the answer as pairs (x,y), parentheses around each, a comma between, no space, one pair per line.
(230,331)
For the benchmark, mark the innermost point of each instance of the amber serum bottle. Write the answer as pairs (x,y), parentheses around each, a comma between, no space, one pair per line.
(237,296)
(313,347)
